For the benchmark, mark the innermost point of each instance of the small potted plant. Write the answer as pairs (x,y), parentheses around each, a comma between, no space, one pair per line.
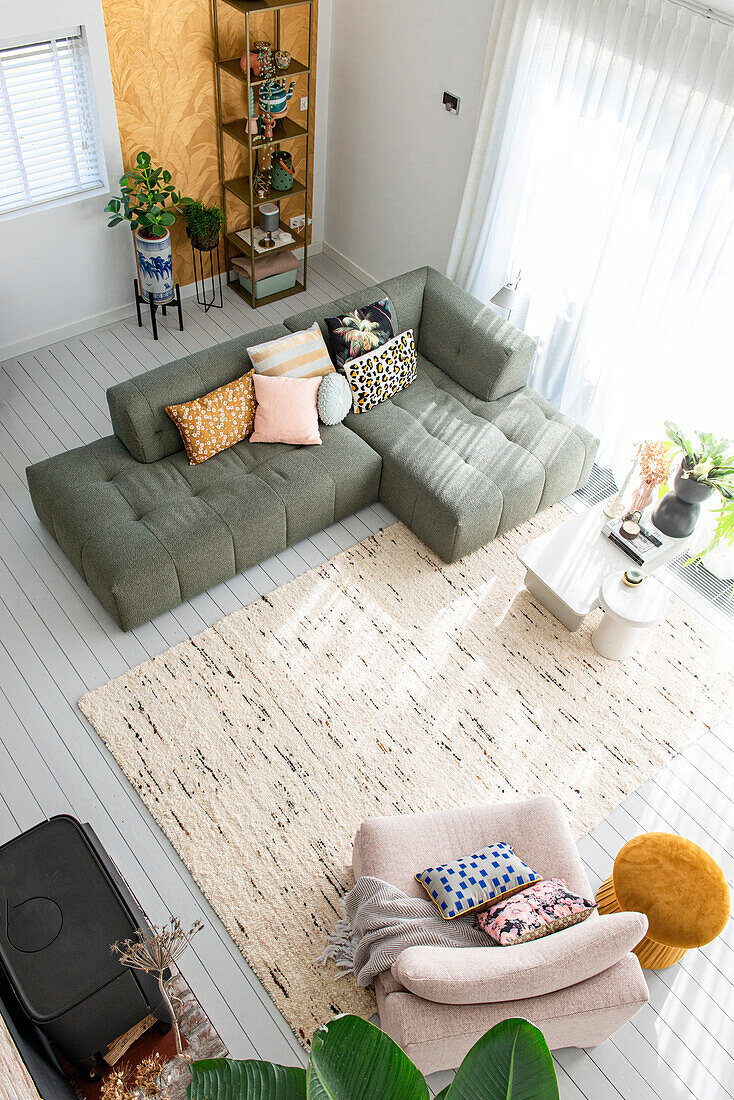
(203,225)
(150,203)
(707,466)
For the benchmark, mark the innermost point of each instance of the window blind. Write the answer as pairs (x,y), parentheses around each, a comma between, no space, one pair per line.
(49,145)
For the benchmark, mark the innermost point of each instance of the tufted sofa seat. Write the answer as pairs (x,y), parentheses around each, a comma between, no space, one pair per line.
(462,455)
(460,471)
(146,537)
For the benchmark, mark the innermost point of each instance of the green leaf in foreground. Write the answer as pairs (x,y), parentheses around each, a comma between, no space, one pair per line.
(510,1062)
(228,1079)
(352,1059)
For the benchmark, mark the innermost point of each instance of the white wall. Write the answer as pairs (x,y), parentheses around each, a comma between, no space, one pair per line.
(396,159)
(63,270)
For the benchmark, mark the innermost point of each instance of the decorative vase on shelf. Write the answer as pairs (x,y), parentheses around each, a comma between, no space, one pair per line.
(282,174)
(677,513)
(155,264)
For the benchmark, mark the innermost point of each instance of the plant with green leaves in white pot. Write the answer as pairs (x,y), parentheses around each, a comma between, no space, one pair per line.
(150,203)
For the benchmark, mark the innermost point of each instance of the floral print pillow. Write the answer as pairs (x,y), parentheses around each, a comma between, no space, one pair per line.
(360,331)
(537,911)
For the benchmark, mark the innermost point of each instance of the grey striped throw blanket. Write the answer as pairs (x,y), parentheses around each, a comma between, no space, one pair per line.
(380,921)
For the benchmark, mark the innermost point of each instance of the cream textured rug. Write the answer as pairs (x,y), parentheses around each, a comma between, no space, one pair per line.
(384,682)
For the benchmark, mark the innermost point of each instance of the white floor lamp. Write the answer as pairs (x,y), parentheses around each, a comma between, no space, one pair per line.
(509,297)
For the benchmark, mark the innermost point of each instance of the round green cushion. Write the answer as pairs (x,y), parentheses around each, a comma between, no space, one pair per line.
(334,398)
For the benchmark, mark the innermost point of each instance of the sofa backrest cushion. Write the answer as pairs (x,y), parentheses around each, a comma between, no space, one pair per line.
(470,342)
(138,405)
(405,293)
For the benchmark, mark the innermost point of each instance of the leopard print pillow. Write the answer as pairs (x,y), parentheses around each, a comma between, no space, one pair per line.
(381,373)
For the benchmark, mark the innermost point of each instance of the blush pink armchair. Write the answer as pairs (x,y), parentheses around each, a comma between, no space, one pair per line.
(578,985)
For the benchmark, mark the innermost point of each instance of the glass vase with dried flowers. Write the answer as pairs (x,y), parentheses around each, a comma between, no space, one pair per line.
(155,952)
(654,461)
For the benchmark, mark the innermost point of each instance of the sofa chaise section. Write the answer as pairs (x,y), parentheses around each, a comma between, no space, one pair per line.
(468,451)
(147,536)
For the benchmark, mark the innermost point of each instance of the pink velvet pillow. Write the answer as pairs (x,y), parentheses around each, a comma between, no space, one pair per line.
(286,410)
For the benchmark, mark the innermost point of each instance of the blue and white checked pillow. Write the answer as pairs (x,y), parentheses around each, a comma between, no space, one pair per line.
(472,882)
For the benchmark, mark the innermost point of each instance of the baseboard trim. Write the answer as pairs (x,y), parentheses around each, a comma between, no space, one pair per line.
(348,265)
(65,332)
(121,313)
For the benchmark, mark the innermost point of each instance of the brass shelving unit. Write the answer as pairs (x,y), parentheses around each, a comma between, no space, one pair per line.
(238,191)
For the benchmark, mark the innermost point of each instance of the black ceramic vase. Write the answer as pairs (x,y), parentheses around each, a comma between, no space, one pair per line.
(677,513)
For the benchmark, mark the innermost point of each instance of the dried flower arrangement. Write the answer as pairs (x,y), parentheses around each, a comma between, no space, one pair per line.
(144,1083)
(155,953)
(654,460)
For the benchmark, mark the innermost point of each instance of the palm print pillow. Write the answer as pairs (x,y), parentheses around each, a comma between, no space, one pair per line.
(360,331)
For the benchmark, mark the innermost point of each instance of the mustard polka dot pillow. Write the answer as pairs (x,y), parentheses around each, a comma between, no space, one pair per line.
(217,420)
(381,373)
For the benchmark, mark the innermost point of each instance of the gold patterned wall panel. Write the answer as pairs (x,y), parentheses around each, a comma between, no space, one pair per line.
(162,61)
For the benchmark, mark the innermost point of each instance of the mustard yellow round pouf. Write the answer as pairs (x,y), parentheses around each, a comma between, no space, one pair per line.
(677,885)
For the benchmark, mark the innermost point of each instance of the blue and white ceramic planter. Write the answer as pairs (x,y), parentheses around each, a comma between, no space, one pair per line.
(155,264)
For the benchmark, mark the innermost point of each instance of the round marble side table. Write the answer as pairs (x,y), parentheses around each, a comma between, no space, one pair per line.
(628,612)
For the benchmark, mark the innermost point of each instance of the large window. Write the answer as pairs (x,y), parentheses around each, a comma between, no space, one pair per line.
(604,171)
(49,137)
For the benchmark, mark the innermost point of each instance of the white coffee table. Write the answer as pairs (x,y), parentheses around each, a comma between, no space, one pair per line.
(628,613)
(565,567)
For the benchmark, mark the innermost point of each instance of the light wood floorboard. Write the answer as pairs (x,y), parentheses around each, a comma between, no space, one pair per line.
(56,642)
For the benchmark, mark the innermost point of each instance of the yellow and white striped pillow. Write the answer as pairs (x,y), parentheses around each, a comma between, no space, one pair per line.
(300,355)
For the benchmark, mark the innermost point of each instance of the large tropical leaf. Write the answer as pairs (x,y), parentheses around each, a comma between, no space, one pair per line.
(352,1059)
(228,1079)
(511,1062)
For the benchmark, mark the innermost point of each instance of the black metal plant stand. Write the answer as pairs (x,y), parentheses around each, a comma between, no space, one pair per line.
(207,290)
(141,299)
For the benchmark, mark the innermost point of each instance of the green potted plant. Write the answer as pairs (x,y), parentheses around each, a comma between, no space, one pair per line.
(352,1059)
(150,203)
(203,224)
(707,466)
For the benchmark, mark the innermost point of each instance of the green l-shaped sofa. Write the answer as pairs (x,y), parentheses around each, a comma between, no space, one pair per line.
(460,456)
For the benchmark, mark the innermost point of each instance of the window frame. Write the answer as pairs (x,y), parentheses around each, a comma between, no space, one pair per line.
(103,188)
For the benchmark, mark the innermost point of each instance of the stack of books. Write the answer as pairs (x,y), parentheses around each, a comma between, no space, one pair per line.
(648,544)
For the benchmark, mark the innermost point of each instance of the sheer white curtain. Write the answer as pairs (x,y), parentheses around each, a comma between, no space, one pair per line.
(604,169)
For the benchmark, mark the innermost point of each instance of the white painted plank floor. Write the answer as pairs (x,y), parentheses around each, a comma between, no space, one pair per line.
(56,642)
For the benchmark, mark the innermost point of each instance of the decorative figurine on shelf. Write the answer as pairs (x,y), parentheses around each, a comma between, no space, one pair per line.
(282,59)
(266,126)
(260,179)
